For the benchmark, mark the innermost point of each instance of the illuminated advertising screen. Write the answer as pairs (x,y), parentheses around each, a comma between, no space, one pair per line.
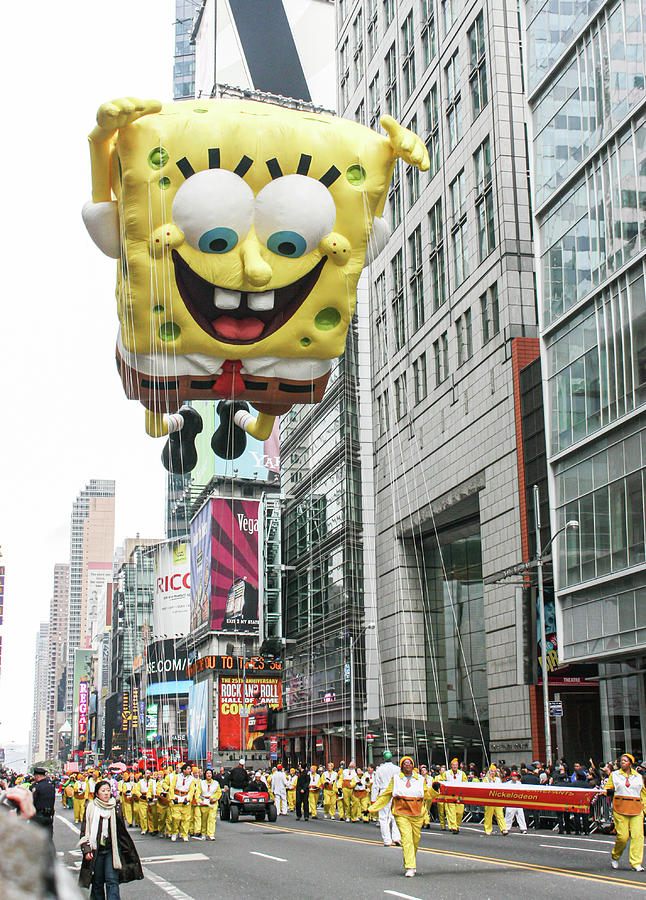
(226,545)
(172,590)
(235,569)
(261,695)
(201,567)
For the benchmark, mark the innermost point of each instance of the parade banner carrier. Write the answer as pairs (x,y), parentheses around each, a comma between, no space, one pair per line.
(525,796)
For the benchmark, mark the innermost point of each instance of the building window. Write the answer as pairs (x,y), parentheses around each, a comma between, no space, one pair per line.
(357,32)
(381,324)
(436,257)
(391,82)
(484,200)
(375,104)
(342,11)
(459,229)
(399,308)
(408,53)
(420,378)
(344,74)
(441,355)
(432,130)
(453,107)
(490,313)
(373,29)
(389,11)
(449,14)
(395,199)
(478,73)
(416,281)
(464,335)
(360,113)
(401,399)
(412,172)
(429,47)
(383,412)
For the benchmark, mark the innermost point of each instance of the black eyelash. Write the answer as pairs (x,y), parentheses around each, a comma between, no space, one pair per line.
(185,167)
(304,164)
(214,158)
(243,166)
(330,176)
(274,168)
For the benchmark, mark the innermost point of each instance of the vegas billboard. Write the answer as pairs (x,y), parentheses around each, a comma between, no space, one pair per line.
(226,566)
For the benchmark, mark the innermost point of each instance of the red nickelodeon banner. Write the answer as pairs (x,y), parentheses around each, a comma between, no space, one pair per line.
(525,796)
(261,695)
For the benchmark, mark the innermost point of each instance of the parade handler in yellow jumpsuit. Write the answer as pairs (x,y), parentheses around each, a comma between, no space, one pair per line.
(208,794)
(492,777)
(408,791)
(626,787)
(454,811)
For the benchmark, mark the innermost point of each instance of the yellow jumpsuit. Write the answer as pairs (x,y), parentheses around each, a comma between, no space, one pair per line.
(80,797)
(454,811)
(126,787)
(291,792)
(208,795)
(140,791)
(491,811)
(151,799)
(329,782)
(162,792)
(340,802)
(407,795)
(315,784)
(350,803)
(362,797)
(628,827)
(181,797)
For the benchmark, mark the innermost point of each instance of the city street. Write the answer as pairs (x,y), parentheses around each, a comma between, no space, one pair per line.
(320,859)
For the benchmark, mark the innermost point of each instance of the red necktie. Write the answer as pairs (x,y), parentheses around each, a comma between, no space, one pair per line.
(229,383)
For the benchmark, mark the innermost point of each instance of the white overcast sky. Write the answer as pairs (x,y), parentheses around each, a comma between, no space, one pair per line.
(64,418)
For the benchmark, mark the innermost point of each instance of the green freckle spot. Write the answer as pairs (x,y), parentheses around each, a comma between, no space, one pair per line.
(164,183)
(200,110)
(158,308)
(356,175)
(327,319)
(157,158)
(169,331)
(305,342)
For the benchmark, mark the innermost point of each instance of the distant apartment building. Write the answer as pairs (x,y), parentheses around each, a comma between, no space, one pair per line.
(38,735)
(57,657)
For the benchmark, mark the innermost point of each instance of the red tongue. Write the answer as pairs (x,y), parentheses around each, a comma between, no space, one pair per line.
(238,329)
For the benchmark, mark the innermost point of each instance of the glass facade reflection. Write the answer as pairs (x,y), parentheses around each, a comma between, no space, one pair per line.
(603,81)
(184,64)
(598,226)
(553,25)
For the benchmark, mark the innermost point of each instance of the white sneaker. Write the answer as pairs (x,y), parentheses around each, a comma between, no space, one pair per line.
(638,868)
(173,837)
(614,863)
(185,839)
(211,838)
(409,873)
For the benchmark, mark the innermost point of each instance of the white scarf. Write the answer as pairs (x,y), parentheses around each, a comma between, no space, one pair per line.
(103,815)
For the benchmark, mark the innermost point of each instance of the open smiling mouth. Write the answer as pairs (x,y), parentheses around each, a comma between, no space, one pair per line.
(240,317)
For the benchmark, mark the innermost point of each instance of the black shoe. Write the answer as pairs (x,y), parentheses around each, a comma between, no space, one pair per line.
(229,441)
(179,454)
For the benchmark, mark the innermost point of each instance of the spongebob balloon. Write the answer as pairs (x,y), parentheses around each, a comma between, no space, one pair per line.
(241,230)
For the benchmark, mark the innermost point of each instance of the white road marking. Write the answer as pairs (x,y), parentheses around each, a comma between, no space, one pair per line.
(567,837)
(74,828)
(166,886)
(180,857)
(407,896)
(267,856)
(579,849)
(60,853)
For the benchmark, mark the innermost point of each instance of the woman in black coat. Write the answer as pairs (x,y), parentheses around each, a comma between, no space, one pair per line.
(109,854)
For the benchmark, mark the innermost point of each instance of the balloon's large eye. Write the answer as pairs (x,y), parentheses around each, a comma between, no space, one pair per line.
(214,210)
(293,215)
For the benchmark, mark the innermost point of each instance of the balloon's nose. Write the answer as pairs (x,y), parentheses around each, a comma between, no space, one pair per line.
(257,271)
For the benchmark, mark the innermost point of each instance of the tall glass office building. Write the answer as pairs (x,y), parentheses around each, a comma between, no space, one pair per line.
(586,85)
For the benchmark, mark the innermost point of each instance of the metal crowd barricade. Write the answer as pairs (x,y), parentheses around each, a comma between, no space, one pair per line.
(601,814)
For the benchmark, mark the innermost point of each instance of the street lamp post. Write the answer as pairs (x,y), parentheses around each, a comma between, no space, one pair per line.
(353,642)
(540,554)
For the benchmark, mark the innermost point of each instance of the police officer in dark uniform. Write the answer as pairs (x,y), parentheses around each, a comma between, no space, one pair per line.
(44,796)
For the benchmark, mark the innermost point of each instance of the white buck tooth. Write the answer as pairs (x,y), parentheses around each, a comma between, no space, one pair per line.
(261,301)
(226,299)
